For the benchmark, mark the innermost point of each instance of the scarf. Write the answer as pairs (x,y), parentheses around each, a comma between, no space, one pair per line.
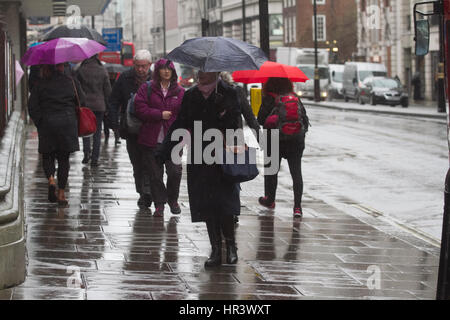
(207,89)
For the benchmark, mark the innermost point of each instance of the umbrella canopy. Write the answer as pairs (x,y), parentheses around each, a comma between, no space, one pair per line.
(62,50)
(64,31)
(215,54)
(270,70)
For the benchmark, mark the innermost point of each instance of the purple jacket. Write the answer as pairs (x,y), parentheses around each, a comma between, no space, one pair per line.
(150,110)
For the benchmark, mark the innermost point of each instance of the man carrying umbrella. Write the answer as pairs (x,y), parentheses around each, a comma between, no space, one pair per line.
(129,82)
(215,105)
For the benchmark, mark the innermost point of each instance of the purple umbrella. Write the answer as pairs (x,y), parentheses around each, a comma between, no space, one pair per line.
(62,50)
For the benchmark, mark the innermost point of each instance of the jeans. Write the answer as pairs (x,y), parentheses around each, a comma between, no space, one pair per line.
(154,173)
(136,158)
(97,138)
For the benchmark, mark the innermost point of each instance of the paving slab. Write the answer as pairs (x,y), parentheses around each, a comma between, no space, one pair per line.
(103,247)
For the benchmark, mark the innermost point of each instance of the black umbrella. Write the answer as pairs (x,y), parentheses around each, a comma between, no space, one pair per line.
(214,54)
(66,32)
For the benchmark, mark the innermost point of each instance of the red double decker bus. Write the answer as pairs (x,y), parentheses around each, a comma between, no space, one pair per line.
(123,57)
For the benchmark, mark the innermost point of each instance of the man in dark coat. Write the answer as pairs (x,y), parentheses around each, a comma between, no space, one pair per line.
(94,80)
(211,198)
(129,83)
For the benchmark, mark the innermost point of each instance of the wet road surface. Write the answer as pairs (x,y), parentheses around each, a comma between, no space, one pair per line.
(103,247)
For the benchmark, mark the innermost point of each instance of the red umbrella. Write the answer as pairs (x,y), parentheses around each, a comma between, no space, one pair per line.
(270,70)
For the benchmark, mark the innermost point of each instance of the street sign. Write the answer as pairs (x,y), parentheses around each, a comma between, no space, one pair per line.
(113,38)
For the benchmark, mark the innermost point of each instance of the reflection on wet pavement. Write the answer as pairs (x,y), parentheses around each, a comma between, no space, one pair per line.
(102,247)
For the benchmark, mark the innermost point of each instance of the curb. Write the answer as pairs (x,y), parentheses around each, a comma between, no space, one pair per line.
(442,116)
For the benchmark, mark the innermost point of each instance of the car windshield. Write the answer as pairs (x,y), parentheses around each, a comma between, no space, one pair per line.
(309,72)
(338,76)
(385,83)
(371,73)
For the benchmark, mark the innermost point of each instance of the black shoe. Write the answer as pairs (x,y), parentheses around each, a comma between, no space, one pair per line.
(94,163)
(174,207)
(232,257)
(215,259)
(52,193)
(117,142)
(145,201)
(86,159)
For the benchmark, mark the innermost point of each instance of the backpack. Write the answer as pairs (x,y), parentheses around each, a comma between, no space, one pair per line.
(289,116)
(133,123)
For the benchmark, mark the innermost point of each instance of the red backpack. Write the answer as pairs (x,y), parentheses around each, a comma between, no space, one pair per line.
(288,115)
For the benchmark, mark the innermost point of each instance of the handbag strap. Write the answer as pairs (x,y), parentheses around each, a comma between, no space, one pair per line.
(76,93)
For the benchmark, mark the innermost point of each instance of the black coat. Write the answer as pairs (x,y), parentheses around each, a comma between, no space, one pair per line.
(120,94)
(52,107)
(208,193)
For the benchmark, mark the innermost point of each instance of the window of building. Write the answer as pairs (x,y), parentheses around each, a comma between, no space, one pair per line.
(321,28)
(319,1)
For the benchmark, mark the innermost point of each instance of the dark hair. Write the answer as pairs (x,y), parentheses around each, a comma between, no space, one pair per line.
(278,86)
(167,65)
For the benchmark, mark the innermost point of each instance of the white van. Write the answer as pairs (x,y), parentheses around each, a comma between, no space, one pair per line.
(354,75)
(336,78)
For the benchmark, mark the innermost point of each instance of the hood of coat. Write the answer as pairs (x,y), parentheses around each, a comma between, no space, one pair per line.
(164,63)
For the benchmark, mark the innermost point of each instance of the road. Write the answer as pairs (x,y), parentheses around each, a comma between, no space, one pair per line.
(392,166)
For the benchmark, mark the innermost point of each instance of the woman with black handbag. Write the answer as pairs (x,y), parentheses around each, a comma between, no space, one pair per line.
(53,108)
(212,199)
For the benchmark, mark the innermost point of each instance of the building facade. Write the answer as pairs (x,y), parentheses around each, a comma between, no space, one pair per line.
(336,26)
(386,35)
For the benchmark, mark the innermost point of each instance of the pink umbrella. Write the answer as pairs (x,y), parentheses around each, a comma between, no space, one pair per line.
(62,50)
(19,72)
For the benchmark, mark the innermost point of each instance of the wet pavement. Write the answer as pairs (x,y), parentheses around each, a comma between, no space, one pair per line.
(103,247)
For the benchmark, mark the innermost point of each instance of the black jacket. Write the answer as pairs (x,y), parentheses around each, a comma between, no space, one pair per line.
(120,94)
(208,193)
(52,107)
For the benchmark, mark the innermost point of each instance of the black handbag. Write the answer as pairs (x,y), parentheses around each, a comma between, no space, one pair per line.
(239,164)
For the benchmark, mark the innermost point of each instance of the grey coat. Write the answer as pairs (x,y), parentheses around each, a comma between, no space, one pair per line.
(94,80)
(52,107)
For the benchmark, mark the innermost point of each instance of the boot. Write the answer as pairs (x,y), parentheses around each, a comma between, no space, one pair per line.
(227,225)
(216,244)
(62,198)
(52,190)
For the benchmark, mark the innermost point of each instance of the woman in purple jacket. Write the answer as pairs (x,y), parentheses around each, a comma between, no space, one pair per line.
(158,112)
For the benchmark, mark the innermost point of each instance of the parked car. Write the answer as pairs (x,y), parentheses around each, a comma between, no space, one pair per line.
(383,90)
(336,76)
(355,73)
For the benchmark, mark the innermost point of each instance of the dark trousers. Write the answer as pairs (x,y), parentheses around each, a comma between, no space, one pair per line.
(97,138)
(154,173)
(135,154)
(294,160)
(48,162)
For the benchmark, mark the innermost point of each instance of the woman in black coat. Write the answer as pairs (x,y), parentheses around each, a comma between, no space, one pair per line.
(214,104)
(52,107)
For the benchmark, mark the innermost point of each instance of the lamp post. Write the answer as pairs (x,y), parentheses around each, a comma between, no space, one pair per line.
(316,59)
